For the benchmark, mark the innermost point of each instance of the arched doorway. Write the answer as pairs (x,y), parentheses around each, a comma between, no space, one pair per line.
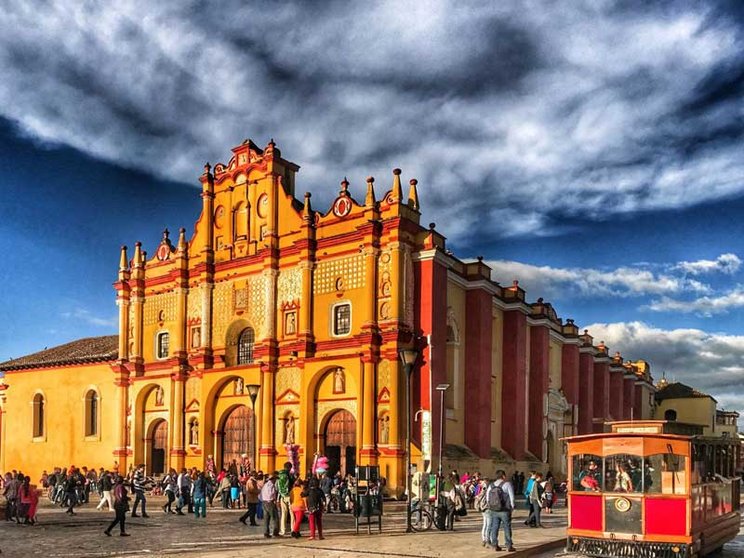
(238,437)
(158,447)
(340,443)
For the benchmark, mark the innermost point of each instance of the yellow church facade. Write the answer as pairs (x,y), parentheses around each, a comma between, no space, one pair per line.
(277,325)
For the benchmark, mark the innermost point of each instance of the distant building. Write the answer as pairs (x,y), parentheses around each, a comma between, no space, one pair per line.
(679,402)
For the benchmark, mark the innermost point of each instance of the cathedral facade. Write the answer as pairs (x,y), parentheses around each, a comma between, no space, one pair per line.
(278,329)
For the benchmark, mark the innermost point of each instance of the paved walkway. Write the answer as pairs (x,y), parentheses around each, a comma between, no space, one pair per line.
(220,535)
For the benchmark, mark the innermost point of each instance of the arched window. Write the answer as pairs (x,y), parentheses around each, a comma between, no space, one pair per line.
(240,221)
(38,416)
(245,346)
(91,413)
(670,414)
(162,343)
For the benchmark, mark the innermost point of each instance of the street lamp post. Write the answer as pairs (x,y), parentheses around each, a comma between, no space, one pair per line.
(253,393)
(441,388)
(408,357)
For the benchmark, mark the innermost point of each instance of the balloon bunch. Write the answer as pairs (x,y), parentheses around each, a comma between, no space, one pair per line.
(320,464)
(293,456)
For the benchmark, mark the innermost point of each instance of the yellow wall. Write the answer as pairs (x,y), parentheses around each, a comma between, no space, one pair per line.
(695,410)
(64,442)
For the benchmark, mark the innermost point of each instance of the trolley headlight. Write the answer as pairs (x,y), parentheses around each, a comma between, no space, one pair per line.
(676,549)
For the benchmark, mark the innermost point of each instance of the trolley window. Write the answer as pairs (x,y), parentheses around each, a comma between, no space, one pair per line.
(587,472)
(665,473)
(623,473)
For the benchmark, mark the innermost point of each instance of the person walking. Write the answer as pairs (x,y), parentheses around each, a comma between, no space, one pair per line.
(138,485)
(121,505)
(297,502)
(71,487)
(480,504)
(314,500)
(252,492)
(199,493)
(535,500)
(269,497)
(184,492)
(500,498)
(170,488)
(106,487)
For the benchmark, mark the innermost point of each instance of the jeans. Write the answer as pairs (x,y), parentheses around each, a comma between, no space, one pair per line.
(486,530)
(535,514)
(250,513)
(497,519)
(200,503)
(184,500)
(171,499)
(121,516)
(139,496)
(316,521)
(269,512)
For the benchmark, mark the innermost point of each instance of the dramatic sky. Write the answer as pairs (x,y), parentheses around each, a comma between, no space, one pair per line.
(592,150)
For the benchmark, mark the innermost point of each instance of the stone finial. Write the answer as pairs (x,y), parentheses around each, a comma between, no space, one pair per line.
(307,212)
(166,235)
(123,260)
(182,240)
(344,191)
(137,258)
(369,199)
(413,199)
(397,192)
(207,168)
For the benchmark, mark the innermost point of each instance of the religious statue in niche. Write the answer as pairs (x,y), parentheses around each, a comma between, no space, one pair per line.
(196,337)
(289,430)
(385,429)
(194,433)
(128,433)
(290,323)
(159,394)
(339,381)
(238,386)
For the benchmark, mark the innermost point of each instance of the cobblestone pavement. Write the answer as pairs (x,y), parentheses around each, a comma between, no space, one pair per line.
(221,535)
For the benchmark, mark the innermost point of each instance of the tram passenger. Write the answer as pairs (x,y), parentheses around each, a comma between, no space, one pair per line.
(589,477)
(623,482)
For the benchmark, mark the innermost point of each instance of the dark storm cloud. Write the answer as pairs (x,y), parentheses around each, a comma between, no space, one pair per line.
(511,114)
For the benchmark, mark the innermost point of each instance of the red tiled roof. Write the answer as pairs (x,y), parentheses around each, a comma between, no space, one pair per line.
(678,390)
(90,349)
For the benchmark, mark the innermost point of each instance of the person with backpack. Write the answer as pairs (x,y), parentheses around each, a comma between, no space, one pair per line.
(481,505)
(106,485)
(500,502)
(121,505)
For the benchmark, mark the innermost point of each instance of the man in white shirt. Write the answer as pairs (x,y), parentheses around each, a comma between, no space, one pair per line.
(502,515)
(269,497)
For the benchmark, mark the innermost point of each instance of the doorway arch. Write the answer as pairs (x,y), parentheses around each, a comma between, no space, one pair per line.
(340,442)
(158,447)
(238,436)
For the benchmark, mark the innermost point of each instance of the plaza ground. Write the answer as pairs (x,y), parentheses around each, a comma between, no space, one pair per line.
(220,535)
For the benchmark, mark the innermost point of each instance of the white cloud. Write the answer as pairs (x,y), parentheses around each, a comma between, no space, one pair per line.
(533,110)
(711,362)
(704,306)
(626,281)
(725,263)
(86,316)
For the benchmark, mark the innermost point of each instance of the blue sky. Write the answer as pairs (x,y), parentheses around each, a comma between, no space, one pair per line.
(591,150)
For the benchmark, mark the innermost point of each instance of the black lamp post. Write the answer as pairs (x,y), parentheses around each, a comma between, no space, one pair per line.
(441,388)
(253,393)
(408,357)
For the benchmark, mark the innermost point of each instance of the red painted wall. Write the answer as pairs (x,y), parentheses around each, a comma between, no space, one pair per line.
(478,372)
(586,393)
(586,512)
(601,394)
(538,387)
(570,373)
(629,397)
(430,307)
(513,404)
(617,394)
(665,516)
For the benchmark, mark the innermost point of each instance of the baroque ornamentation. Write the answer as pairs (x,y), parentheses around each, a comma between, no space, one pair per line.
(290,285)
(350,270)
(156,304)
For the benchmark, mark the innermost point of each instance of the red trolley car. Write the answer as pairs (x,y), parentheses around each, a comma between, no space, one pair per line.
(651,489)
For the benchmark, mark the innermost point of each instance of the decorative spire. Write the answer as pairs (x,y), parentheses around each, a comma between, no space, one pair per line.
(137,258)
(369,200)
(344,191)
(182,240)
(307,212)
(207,168)
(123,260)
(166,237)
(413,200)
(397,190)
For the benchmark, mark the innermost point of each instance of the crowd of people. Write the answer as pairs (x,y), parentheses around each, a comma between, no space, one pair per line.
(280,499)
